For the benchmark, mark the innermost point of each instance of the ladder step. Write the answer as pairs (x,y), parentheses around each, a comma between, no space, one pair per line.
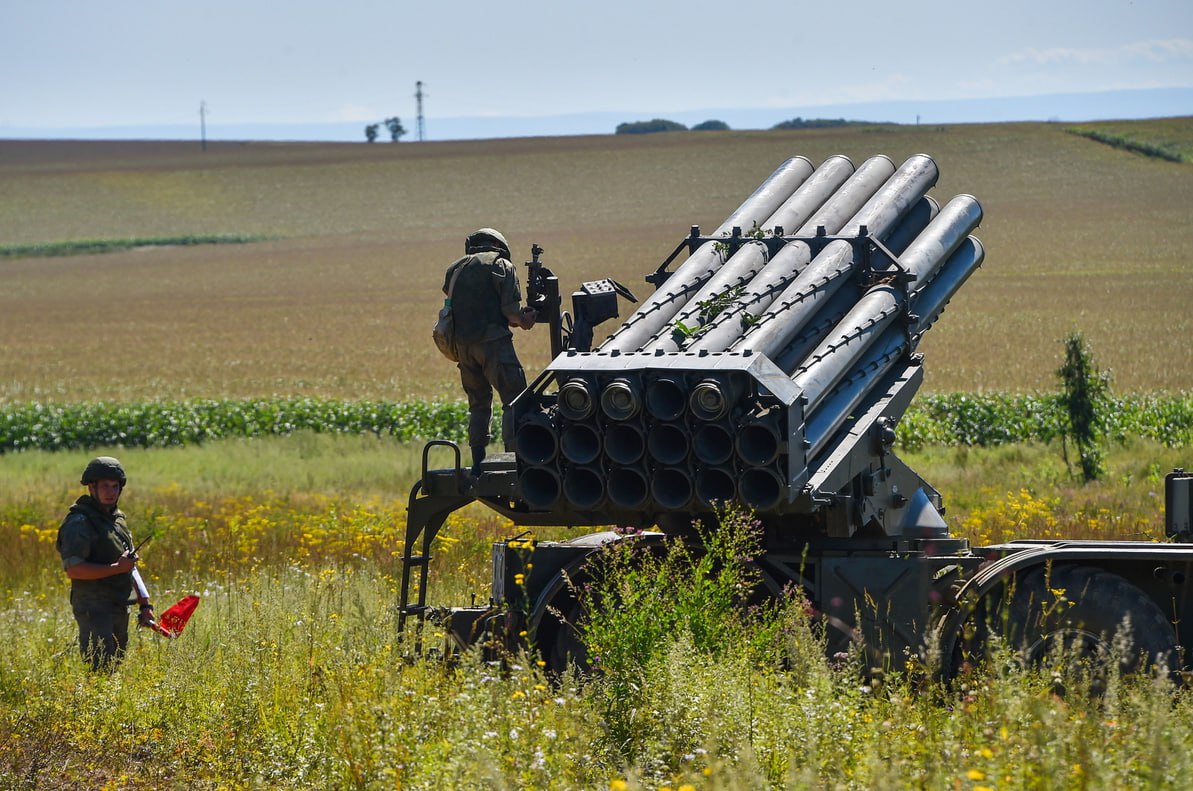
(417,560)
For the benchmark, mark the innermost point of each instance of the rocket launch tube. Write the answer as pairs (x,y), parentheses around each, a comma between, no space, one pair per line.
(923,257)
(716,485)
(671,488)
(624,442)
(822,422)
(793,260)
(667,443)
(801,209)
(580,443)
(619,400)
(769,196)
(906,231)
(740,269)
(628,487)
(822,368)
(713,397)
(815,331)
(657,309)
(575,399)
(835,356)
(761,488)
(929,301)
(713,442)
(536,441)
(759,440)
(583,487)
(665,398)
(827,272)
(539,487)
(813,201)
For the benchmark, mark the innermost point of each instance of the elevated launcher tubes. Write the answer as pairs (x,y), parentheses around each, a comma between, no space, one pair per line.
(769,370)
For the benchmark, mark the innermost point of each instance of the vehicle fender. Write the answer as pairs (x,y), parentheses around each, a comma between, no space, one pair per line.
(572,571)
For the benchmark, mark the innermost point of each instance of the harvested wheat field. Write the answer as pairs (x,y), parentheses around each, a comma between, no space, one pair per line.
(329,278)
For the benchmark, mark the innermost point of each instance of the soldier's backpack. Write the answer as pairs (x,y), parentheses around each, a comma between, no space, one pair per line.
(444,331)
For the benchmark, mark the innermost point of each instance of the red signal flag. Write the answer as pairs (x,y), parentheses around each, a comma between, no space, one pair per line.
(173,620)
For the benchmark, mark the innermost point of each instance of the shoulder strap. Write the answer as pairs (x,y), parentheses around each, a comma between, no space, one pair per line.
(455,276)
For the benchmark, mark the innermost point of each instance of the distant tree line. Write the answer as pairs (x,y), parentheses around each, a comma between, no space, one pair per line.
(817,123)
(394,125)
(663,125)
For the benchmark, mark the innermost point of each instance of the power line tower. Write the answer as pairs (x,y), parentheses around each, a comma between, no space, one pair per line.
(418,94)
(203,124)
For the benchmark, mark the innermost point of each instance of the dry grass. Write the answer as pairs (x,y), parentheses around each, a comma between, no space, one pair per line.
(339,301)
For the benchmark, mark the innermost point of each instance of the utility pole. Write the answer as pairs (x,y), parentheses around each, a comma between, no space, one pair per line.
(418,94)
(203,124)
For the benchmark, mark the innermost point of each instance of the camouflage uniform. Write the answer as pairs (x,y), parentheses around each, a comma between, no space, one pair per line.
(91,533)
(485,294)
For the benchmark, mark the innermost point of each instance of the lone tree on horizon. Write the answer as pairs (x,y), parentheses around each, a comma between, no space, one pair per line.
(371,132)
(396,130)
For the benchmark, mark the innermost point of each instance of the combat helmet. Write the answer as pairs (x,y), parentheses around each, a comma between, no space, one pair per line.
(486,239)
(103,468)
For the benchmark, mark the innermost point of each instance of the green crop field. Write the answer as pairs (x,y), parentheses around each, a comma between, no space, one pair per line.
(335,297)
(247,327)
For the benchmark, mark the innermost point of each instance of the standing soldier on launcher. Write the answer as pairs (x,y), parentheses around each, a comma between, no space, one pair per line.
(99,557)
(486,301)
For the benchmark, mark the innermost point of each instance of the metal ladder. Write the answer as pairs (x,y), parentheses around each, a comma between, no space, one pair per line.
(432,499)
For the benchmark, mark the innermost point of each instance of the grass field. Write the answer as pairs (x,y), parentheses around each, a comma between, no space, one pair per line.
(290,676)
(337,298)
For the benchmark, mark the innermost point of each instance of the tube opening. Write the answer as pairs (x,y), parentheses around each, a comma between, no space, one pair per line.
(624,443)
(580,443)
(667,443)
(672,488)
(583,487)
(665,399)
(539,487)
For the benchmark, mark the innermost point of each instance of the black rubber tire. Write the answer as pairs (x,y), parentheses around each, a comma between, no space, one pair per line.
(1088,620)
(559,639)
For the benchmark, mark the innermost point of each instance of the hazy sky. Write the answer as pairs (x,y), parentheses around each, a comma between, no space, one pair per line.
(118,62)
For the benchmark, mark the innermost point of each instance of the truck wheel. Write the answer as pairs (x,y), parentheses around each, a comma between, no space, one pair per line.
(1099,618)
(559,639)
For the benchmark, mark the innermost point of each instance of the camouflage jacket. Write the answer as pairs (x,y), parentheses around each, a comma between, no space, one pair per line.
(486,291)
(90,533)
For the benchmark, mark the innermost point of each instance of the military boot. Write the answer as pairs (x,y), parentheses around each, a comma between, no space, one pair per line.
(478,456)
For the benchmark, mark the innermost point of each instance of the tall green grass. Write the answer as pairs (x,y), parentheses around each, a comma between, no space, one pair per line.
(155,424)
(950,419)
(293,676)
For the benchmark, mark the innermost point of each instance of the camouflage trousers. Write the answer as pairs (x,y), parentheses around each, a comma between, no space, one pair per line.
(485,367)
(103,634)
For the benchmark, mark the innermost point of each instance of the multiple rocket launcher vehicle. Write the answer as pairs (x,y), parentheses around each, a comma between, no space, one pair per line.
(769,371)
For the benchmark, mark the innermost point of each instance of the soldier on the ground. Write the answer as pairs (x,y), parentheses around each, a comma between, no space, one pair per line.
(99,556)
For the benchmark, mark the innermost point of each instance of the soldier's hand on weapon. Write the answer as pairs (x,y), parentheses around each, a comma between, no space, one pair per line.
(529,317)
